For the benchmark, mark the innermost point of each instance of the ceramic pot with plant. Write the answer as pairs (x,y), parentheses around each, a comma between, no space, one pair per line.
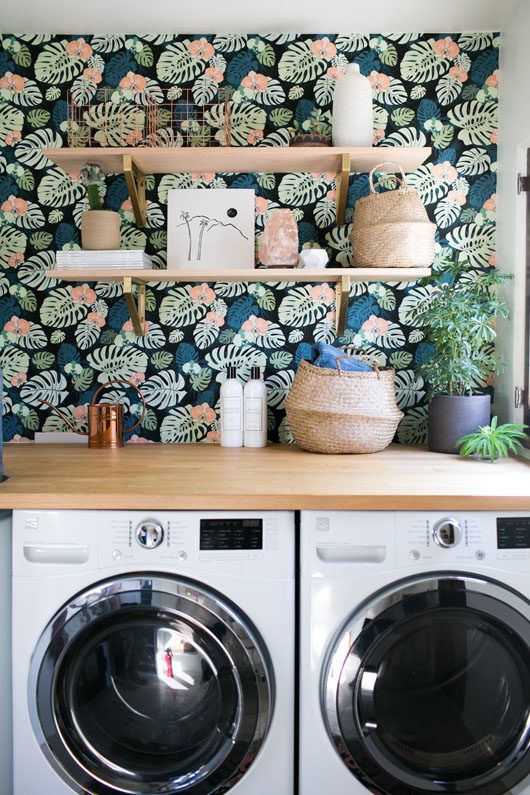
(100,229)
(458,322)
(314,131)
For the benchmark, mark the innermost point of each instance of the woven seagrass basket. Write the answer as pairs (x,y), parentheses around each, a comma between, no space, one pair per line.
(392,229)
(332,411)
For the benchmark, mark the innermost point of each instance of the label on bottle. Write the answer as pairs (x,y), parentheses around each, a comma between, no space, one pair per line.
(231,414)
(253,413)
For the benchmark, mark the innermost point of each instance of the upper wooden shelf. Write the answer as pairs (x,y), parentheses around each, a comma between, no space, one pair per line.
(247,275)
(239,159)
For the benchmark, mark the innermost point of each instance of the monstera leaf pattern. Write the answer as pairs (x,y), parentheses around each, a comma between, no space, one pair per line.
(59,342)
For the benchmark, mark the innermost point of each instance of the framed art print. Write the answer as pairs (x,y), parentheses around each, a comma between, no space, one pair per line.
(210,228)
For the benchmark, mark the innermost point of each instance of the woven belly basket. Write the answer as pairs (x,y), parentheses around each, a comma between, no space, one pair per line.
(331,411)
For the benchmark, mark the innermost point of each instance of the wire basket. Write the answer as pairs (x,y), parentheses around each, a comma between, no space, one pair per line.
(134,116)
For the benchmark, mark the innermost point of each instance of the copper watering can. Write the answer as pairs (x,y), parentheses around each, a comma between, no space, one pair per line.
(105,420)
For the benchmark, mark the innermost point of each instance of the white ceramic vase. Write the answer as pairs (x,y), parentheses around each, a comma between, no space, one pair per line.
(352,109)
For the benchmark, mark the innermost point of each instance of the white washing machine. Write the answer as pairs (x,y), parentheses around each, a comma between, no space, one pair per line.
(414,653)
(153,653)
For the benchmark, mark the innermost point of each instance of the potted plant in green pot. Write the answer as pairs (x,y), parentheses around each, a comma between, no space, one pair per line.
(100,229)
(459,323)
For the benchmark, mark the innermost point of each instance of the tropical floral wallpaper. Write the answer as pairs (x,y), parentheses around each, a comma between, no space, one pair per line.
(59,342)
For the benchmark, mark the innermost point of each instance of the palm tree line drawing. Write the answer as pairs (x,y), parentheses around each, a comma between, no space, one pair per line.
(205,225)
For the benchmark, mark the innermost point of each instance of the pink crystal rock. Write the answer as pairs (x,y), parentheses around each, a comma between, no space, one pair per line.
(280,241)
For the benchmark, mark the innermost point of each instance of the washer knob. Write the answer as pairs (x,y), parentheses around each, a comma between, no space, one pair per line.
(447,532)
(149,534)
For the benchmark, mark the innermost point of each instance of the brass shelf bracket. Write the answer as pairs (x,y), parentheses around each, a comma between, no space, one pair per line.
(342,300)
(135,179)
(136,308)
(343,178)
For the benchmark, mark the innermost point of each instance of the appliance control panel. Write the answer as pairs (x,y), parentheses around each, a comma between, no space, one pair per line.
(499,540)
(192,539)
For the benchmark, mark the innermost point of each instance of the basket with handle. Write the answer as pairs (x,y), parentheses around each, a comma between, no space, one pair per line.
(392,229)
(333,411)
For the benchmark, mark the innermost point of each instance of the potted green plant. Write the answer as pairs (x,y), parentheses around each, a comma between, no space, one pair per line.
(314,131)
(493,441)
(100,229)
(459,323)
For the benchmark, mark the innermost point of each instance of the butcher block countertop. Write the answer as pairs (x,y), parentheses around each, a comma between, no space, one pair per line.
(171,477)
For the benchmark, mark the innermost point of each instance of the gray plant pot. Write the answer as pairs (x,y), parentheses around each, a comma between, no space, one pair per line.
(452,416)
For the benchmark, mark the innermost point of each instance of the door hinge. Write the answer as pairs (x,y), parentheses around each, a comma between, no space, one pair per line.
(523,184)
(519,397)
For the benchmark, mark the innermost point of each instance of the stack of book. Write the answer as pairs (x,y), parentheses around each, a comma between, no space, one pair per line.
(130,259)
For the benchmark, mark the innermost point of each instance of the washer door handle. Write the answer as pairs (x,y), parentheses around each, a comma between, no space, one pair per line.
(352,553)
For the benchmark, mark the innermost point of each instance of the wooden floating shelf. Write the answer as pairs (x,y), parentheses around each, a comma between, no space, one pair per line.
(238,159)
(136,162)
(341,276)
(254,275)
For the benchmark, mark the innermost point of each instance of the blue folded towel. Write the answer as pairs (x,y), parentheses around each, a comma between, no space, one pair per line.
(328,355)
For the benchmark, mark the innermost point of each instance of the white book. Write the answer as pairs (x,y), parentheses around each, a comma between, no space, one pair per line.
(125,258)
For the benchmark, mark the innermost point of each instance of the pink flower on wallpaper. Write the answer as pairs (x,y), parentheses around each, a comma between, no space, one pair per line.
(330,318)
(15,259)
(491,203)
(215,319)
(134,137)
(136,379)
(261,205)
(214,74)
(18,379)
(378,136)
(14,206)
(494,137)
(18,439)
(129,328)
(379,81)
(92,75)
(133,82)
(135,439)
(331,195)
(255,81)
(322,294)
(492,260)
(203,413)
(202,294)
(457,196)
(79,49)
(335,73)
(323,48)
(13,137)
(446,48)
(493,80)
(200,48)
(83,295)
(203,176)
(12,83)
(375,325)
(326,176)
(213,437)
(96,319)
(80,412)
(17,325)
(256,325)
(126,206)
(459,73)
(445,172)
(254,136)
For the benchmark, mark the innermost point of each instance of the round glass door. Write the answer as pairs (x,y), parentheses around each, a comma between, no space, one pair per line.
(429,689)
(150,684)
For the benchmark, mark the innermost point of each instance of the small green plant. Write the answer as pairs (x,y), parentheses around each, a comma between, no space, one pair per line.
(458,321)
(493,441)
(315,124)
(93,178)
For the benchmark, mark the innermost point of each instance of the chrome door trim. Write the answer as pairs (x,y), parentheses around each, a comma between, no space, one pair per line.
(185,600)
(360,630)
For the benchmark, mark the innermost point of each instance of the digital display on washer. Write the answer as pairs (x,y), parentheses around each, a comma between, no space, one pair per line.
(513,533)
(220,534)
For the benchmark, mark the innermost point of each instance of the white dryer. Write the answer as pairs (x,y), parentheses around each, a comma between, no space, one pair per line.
(414,653)
(153,653)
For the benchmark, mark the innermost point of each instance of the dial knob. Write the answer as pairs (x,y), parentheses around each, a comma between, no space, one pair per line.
(149,534)
(447,532)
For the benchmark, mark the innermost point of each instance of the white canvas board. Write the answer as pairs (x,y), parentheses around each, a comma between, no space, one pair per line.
(210,228)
